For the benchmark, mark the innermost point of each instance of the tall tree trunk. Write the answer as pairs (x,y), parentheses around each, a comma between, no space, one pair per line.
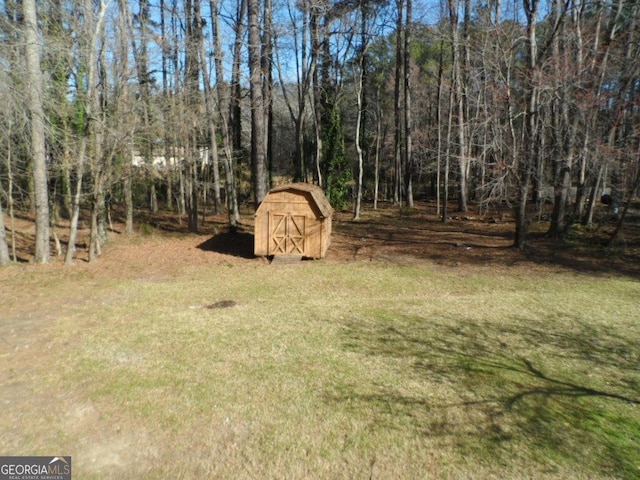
(211,122)
(36,115)
(4,247)
(460,108)
(193,33)
(258,150)
(408,120)
(144,82)
(128,195)
(124,100)
(529,152)
(593,196)
(165,94)
(376,173)
(565,133)
(358,133)
(10,196)
(578,208)
(316,103)
(447,157)
(191,193)
(235,114)
(464,66)
(439,126)
(360,85)
(223,102)
(94,124)
(266,60)
(397,107)
(75,204)
(97,205)
(103,155)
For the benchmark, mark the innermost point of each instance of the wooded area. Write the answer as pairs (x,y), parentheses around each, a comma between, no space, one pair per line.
(186,105)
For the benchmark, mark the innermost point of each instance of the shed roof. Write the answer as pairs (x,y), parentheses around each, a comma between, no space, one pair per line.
(316,193)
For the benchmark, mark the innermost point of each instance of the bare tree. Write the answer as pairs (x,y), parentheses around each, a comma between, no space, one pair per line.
(565,125)
(8,117)
(36,114)
(235,111)
(318,32)
(266,61)
(458,98)
(223,106)
(439,114)
(408,119)
(378,148)
(141,55)
(124,101)
(304,69)
(100,157)
(211,121)
(89,137)
(359,85)
(256,79)
(193,33)
(531,127)
(397,106)
(598,67)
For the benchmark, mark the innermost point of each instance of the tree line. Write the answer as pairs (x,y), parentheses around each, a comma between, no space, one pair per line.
(188,105)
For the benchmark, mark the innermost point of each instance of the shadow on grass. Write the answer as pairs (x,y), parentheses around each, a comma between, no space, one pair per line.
(550,397)
(589,256)
(238,244)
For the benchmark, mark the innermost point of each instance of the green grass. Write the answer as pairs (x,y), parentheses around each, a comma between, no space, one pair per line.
(357,370)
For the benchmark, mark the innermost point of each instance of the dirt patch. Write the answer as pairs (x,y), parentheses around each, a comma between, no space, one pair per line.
(162,246)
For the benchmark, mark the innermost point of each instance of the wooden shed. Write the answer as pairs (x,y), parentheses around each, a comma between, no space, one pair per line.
(293,219)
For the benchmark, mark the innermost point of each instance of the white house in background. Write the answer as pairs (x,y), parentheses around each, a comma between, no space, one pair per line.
(160,162)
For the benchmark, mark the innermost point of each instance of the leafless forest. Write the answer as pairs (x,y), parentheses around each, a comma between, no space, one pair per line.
(190,106)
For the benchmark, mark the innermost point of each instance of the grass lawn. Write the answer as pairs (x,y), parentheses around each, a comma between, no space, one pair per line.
(362,369)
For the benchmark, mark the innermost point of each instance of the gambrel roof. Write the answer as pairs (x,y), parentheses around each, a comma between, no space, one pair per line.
(317,194)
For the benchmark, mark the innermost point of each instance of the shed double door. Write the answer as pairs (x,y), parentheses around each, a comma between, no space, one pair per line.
(286,233)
